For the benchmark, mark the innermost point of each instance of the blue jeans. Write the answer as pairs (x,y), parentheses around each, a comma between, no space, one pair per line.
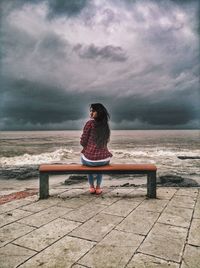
(99,177)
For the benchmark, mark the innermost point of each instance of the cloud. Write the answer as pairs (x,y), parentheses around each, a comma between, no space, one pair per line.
(159,109)
(62,7)
(55,7)
(140,58)
(111,53)
(59,109)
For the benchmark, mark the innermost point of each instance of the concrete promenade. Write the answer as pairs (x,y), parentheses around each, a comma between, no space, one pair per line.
(120,228)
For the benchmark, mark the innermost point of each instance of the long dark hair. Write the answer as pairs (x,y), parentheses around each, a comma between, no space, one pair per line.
(102,130)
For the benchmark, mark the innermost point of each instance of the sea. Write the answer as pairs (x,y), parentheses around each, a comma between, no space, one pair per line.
(175,152)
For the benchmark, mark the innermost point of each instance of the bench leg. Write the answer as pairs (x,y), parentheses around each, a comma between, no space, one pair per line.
(151,185)
(44,186)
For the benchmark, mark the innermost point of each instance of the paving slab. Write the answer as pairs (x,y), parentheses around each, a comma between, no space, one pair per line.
(73,192)
(191,257)
(138,223)
(138,192)
(156,205)
(47,234)
(183,201)
(14,204)
(122,207)
(40,205)
(12,216)
(165,241)
(63,254)
(85,212)
(144,261)
(74,202)
(43,217)
(32,198)
(97,227)
(114,250)
(119,192)
(56,191)
(176,216)
(192,192)
(197,210)
(106,200)
(194,234)
(12,231)
(165,192)
(12,255)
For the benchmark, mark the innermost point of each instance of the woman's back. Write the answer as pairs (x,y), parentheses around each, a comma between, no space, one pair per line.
(91,150)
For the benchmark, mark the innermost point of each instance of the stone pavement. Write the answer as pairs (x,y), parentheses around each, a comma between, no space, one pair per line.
(120,228)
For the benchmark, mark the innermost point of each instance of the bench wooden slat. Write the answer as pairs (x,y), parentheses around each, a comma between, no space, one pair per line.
(112,167)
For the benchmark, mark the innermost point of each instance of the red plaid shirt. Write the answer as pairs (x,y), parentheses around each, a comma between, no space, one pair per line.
(90,149)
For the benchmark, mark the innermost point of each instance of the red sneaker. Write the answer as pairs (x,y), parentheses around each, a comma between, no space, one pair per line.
(92,190)
(98,190)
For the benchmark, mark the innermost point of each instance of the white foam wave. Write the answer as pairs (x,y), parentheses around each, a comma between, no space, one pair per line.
(27,159)
(164,158)
(153,153)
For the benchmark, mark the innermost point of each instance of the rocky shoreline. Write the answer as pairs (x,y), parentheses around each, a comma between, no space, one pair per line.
(19,172)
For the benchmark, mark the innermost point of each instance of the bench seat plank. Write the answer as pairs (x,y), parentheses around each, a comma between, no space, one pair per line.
(112,167)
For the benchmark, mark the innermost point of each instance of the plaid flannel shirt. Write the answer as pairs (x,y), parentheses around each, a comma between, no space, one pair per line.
(90,149)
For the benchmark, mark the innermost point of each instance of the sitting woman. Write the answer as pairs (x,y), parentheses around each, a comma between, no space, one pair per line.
(96,135)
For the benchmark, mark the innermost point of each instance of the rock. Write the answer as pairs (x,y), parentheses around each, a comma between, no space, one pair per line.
(188,157)
(189,183)
(171,178)
(19,172)
(176,181)
(74,179)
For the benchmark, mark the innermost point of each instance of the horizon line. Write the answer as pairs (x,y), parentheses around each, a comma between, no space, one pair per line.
(8,130)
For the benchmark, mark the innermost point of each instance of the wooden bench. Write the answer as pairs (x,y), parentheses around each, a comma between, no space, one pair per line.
(148,169)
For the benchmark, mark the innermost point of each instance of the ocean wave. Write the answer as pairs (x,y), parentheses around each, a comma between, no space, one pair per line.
(59,155)
(154,153)
(69,155)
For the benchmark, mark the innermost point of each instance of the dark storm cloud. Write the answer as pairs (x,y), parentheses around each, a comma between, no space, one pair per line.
(111,53)
(159,109)
(27,103)
(32,105)
(139,58)
(37,103)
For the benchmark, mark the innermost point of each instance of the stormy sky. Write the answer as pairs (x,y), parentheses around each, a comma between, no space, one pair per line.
(140,58)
